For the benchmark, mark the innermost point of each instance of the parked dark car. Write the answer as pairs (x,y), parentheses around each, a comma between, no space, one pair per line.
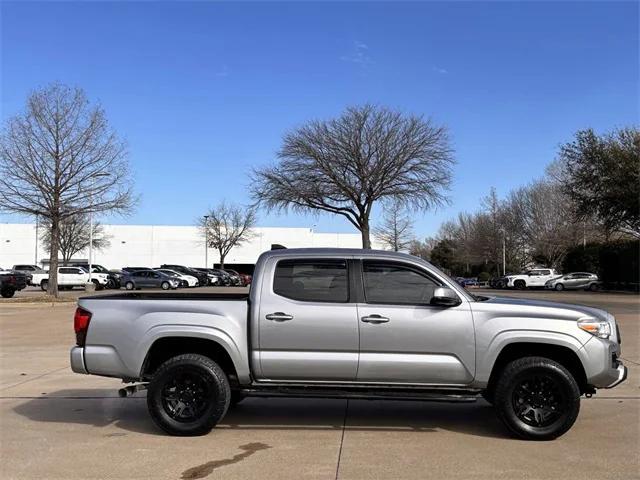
(28,270)
(224,276)
(212,278)
(11,282)
(203,278)
(149,279)
(134,269)
(236,281)
(114,276)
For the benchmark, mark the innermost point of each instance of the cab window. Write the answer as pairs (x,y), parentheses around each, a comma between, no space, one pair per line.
(397,283)
(317,280)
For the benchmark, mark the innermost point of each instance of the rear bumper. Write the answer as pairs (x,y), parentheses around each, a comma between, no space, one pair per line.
(77,360)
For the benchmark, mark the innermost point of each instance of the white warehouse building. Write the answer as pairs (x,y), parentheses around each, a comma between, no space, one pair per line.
(153,245)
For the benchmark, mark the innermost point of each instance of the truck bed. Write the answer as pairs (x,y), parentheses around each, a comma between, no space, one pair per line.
(171,295)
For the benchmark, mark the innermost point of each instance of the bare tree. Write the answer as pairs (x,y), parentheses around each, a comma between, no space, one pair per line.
(74,237)
(59,159)
(396,229)
(344,165)
(226,226)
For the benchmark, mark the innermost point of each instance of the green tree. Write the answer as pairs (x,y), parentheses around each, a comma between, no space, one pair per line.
(602,177)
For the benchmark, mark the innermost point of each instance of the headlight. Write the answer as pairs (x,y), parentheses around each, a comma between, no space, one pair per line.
(598,328)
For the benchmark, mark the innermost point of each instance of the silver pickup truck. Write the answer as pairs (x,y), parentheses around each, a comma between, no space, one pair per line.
(338,323)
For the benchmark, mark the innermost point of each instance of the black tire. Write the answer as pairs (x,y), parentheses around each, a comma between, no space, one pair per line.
(97,284)
(520,284)
(533,386)
(129,286)
(111,284)
(7,292)
(559,287)
(44,284)
(208,395)
(165,285)
(593,287)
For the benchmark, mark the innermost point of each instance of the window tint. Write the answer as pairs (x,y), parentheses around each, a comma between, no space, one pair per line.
(312,280)
(140,273)
(68,270)
(545,272)
(394,283)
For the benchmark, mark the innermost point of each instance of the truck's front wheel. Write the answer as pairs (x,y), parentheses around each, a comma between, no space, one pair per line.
(188,395)
(537,398)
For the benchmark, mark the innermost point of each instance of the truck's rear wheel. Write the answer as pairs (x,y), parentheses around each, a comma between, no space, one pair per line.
(188,395)
(44,284)
(7,292)
(537,398)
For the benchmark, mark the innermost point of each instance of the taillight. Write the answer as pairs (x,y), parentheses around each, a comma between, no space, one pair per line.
(81,324)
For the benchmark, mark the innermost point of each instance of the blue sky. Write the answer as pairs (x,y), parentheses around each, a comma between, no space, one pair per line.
(204,91)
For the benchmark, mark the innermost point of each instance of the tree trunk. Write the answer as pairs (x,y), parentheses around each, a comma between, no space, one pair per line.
(52,288)
(222,256)
(364,231)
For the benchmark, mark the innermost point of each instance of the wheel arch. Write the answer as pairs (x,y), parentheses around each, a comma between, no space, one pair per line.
(166,347)
(561,353)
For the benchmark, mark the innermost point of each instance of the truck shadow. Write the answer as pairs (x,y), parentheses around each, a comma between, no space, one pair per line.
(99,408)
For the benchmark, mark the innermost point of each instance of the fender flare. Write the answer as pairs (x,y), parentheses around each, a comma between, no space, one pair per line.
(210,333)
(505,338)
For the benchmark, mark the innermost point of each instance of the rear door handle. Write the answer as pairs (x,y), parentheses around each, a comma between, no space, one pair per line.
(279,317)
(375,318)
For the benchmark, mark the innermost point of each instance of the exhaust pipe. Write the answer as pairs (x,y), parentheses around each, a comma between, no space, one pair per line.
(131,389)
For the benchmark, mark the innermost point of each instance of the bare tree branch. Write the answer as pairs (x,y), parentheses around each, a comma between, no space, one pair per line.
(74,237)
(344,165)
(226,226)
(60,159)
(396,229)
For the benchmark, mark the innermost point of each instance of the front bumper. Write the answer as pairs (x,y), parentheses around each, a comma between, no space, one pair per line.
(622,376)
(77,360)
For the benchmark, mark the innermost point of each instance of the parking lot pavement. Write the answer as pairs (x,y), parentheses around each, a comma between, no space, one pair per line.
(55,424)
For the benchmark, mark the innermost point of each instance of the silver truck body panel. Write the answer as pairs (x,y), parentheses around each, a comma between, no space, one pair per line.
(330,343)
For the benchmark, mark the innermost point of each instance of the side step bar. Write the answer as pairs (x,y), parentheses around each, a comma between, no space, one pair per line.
(449,396)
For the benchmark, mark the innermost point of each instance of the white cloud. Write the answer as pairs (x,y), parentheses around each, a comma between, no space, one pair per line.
(440,70)
(358,54)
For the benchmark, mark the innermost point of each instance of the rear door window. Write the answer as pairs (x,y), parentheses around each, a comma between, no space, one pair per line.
(316,280)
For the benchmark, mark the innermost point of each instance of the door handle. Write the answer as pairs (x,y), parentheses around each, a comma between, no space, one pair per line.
(279,317)
(375,318)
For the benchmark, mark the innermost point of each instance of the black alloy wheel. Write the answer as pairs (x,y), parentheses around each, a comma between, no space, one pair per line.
(188,395)
(185,397)
(538,400)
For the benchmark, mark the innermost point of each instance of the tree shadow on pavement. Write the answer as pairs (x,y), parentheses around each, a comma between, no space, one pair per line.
(92,407)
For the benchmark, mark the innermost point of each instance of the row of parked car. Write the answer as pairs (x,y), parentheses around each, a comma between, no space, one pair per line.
(167,276)
(549,279)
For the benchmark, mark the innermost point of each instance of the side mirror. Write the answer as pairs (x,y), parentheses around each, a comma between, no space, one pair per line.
(445,297)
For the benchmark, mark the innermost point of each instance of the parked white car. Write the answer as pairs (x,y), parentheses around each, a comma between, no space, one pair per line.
(534,278)
(69,277)
(191,281)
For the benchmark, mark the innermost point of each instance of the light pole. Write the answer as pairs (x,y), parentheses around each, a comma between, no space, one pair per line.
(95,175)
(504,251)
(36,257)
(206,241)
